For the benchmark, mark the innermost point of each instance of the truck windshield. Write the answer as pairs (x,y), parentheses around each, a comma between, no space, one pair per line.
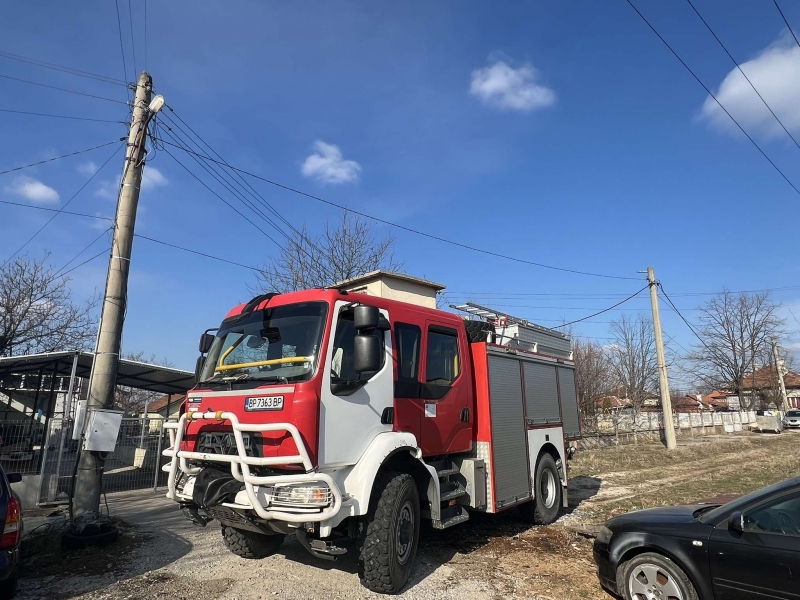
(280,344)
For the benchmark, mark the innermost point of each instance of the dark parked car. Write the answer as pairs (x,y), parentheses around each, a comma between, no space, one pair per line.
(11,511)
(747,548)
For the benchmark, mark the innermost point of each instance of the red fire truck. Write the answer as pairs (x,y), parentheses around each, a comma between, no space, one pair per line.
(329,415)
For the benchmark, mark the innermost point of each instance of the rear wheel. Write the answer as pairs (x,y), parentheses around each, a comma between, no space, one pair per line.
(547,494)
(249,544)
(652,575)
(390,544)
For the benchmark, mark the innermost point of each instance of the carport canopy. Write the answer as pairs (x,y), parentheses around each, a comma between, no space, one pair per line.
(144,376)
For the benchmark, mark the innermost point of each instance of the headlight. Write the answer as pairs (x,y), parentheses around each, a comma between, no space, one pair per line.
(604,535)
(300,495)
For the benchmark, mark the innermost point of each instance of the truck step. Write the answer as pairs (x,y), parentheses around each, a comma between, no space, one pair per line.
(456,492)
(451,516)
(442,473)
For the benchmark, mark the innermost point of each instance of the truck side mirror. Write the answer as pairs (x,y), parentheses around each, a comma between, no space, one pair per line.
(736,522)
(365,318)
(205,342)
(367,354)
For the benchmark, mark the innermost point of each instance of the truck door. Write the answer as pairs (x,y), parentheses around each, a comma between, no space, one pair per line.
(407,341)
(445,393)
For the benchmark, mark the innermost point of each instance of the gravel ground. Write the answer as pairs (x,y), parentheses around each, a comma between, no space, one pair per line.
(161,555)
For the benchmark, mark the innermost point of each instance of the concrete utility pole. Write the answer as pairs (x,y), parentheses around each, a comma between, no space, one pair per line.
(779,367)
(102,381)
(666,402)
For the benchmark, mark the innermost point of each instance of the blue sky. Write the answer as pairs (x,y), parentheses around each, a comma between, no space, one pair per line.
(562,133)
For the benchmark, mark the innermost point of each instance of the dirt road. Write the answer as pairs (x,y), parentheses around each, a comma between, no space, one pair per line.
(163,556)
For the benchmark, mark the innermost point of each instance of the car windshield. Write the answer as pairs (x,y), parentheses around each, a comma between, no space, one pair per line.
(743,501)
(793,413)
(280,344)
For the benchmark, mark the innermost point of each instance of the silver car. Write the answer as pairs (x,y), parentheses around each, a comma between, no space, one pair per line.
(792,419)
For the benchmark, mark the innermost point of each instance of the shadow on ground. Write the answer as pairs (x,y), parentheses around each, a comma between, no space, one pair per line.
(48,571)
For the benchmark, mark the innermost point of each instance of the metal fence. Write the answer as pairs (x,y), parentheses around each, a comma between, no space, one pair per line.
(135,463)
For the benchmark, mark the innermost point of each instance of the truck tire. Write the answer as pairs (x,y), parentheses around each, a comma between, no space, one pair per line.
(249,544)
(390,544)
(547,494)
(478,331)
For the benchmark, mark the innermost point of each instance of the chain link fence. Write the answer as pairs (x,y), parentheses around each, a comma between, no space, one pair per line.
(135,463)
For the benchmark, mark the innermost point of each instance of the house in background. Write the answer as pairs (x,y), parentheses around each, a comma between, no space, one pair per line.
(166,407)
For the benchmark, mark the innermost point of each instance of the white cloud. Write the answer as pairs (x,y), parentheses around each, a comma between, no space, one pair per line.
(329,166)
(502,86)
(152,178)
(87,168)
(32,189)
(775,73)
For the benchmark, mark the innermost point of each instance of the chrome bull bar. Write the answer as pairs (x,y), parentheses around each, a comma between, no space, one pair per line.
(240,464)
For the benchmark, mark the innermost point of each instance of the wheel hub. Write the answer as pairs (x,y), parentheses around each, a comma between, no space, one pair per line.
(651,582)
(405,533)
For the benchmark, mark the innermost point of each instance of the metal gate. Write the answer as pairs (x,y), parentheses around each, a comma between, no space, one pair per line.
(135,463)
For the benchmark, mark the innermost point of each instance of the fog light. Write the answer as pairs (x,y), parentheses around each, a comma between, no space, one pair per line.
(299,495)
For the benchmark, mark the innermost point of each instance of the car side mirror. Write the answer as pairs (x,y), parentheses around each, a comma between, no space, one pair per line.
(367,354)
(736,522)
(14,477)
(205,342)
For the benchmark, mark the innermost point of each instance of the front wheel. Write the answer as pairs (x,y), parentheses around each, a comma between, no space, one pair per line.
(249,544)
(390,544)
(547,494)
(652,575)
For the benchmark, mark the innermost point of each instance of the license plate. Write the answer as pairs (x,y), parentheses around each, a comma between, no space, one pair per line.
(264,403)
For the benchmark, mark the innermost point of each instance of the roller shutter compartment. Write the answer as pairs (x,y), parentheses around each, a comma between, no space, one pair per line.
(569,403)
(541,393)
(509,448)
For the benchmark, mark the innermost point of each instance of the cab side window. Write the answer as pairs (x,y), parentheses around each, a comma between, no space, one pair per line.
(408,338)
(780,516)
(344,378)
(443,363)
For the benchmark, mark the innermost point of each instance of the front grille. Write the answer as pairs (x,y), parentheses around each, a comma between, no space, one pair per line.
(223,442)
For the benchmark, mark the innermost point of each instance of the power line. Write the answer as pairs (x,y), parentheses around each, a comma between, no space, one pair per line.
(63,69)
(88,260)
(121,45)
(53,87)
(41,162)
(710,93)
(675,308)
(253,193)
(23,112)
(403,227)
(769,108)
(225,260)
(74,258)
(75,195)
(787,22)
(63,212)
(606,309)
(133,42)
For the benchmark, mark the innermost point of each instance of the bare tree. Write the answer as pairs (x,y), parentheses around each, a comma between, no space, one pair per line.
(592,379)
(341,252)
(633,359)
(37,313)
(736,330)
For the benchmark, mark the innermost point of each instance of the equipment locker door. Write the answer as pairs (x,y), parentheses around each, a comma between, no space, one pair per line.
(445,392)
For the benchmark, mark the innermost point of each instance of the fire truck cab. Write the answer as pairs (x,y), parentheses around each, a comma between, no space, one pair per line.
(328,414)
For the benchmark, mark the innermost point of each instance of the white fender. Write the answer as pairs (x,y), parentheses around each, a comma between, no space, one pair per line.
(358,483)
